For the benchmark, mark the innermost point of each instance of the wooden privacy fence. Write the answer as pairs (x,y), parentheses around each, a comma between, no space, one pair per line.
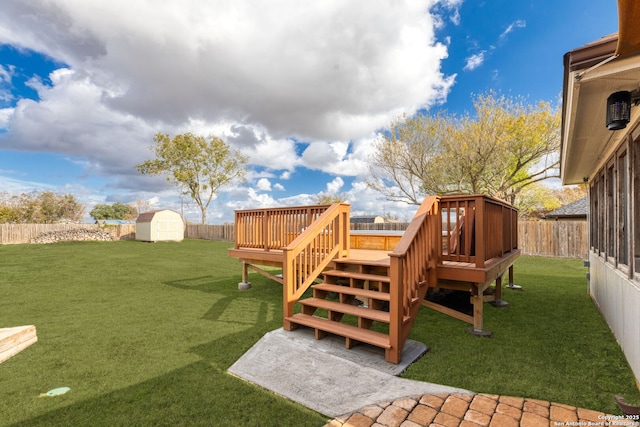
(563,239)
(210,232)
(566,239)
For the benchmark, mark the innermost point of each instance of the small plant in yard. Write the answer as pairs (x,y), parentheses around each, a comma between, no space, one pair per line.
(143,334)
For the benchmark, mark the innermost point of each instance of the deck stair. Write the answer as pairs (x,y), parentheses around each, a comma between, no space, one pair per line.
(352,302)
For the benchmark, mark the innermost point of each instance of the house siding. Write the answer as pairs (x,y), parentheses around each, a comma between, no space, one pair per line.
(618,299)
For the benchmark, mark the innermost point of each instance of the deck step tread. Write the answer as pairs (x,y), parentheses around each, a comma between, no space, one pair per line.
(356,275)
(365,293)
(367,313)
(363,335)
(384,262)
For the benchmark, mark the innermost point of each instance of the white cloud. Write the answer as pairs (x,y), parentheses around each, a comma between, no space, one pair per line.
(17,186)
(5,115)
(279,187)
(266,76)
(520,23)
(475,60)
(455,17)
(72,119)
(338,158)
(263,184)
(253,200)
(365,201)
(262,150)
(324,70)
(285,175)
(6,75)
(334,186)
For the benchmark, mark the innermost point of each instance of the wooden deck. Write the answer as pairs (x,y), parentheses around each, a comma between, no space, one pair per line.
(468,272)
(452,275)
(463,243)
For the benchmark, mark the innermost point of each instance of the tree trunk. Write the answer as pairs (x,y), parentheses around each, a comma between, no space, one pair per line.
(203,209)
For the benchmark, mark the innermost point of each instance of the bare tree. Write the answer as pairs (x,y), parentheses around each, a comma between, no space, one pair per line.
(500,150)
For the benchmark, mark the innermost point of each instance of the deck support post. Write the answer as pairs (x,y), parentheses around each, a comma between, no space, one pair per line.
(245,284)
(498,301)
(477,299)
(511,285)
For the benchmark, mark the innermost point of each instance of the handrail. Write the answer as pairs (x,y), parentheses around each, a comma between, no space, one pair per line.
(273,228)
(413,263)
(476,228)
(310,253)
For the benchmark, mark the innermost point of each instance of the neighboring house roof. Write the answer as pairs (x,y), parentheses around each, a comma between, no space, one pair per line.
(577,209)
(366,219)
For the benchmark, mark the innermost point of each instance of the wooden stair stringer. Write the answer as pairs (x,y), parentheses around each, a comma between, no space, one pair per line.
(416,304)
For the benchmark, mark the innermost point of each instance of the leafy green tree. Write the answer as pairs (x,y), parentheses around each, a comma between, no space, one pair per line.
(502,149)
(197,166)
(125,212)
(8,215)
(40,207)
(102,211)
(71,208)
(115,211)
(536,200)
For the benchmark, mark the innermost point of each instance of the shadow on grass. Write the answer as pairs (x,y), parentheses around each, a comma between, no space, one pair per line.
(200,393)
(195,395)
(237,307)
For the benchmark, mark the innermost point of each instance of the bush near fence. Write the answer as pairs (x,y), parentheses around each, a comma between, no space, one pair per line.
(566,239)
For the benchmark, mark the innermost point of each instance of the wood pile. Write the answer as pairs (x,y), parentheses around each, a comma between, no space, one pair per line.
(76,234)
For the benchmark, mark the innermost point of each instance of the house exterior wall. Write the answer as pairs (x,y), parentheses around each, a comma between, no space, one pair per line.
(618,299)
(614,241)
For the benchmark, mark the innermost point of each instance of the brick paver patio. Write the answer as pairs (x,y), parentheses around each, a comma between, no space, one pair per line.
(473,410)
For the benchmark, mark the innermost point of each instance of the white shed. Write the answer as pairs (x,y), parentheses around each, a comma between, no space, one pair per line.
(160,225)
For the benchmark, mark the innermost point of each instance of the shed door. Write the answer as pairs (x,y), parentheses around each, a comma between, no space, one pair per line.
(167,230)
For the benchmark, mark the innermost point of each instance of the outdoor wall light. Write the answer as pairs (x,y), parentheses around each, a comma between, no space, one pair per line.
(618,110)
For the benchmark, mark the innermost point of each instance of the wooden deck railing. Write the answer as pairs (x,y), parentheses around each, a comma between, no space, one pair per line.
(273,228)
(308,255)
(412,265)
(476,228)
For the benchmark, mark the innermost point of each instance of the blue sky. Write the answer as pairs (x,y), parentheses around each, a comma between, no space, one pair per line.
(302,89)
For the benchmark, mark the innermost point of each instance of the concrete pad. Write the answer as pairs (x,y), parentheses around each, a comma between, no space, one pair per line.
(325,376)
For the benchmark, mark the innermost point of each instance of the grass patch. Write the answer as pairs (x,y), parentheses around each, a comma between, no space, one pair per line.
(144,333)
(550,343)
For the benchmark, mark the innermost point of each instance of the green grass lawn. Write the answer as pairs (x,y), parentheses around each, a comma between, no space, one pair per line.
(143,334)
